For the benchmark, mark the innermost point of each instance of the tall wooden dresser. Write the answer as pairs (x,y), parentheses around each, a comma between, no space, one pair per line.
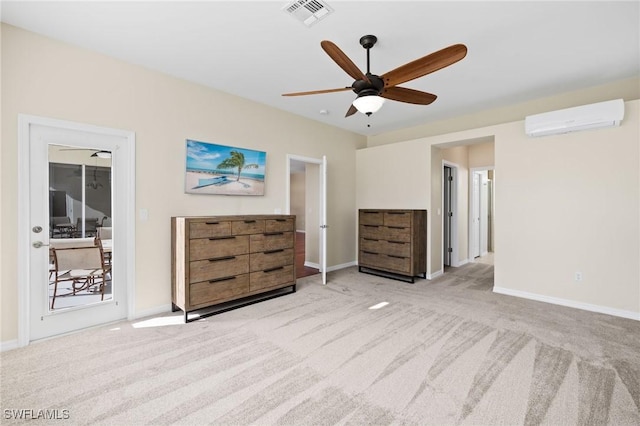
(219,259)
(393,242)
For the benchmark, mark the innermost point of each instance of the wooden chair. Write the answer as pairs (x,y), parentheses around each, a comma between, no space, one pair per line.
(83,266)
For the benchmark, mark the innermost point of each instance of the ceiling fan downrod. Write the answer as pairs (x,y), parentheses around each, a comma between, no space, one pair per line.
(368,42)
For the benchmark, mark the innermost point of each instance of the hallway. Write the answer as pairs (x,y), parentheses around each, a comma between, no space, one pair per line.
(301,270)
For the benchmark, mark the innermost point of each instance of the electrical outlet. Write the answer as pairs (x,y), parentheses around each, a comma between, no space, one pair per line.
(578,276)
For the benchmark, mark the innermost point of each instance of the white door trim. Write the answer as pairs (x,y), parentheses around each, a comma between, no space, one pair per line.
(471,196)
(323,203)
(24,237)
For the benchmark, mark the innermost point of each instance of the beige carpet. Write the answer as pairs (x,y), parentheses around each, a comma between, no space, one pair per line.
(446,351)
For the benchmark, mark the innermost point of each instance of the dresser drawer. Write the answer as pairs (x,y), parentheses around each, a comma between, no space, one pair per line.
(371,217)
(222,288)
(278,225)
(275,277)
(207,248)
(397,233)
(270,259)
(271,241)
(204,270)
(397,218)
(386,262)
(395,248)
(209,228)
(248,226)
(375,232)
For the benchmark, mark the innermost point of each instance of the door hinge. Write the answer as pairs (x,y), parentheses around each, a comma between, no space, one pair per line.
(450,250)
(450,178)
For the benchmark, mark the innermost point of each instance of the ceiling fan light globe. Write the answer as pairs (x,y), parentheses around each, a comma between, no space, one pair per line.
(368,104)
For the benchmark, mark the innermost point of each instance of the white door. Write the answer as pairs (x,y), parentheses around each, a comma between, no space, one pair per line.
(474,232)
(322,163)
(323,214)
(43,136)
(484,213)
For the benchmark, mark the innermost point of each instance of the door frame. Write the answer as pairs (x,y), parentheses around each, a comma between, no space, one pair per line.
(322,191)
(25,122)
(455,261)
(472,171)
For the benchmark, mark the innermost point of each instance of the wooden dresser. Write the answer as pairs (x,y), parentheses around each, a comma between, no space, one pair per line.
(393,242)
(219,259)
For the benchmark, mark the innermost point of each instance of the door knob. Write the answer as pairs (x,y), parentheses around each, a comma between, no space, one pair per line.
(37,229)
(38,244)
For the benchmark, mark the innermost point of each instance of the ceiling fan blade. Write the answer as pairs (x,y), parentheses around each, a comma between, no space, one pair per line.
(343,60)
(352,110)
(318,92)
(410,96)
(425,65)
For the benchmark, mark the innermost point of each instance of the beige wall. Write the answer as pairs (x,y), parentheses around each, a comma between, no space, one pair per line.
(563,204)
(51,79)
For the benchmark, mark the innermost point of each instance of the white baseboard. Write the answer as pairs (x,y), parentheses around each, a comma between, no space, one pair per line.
(435,274)
(569,303)
(8,345)
(311,265)
(341,266)
(162,309)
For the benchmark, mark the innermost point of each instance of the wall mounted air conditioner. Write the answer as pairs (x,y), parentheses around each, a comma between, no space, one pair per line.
(585,117)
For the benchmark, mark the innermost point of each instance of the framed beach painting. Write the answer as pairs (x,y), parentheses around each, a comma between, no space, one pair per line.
(224,170)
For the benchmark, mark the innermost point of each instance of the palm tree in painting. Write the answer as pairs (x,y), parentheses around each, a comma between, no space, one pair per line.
(236,161)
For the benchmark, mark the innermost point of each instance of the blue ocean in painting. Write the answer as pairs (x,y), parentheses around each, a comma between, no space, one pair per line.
(206,157)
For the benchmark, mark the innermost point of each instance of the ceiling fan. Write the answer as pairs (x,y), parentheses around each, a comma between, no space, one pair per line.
(372,89)
(96,152)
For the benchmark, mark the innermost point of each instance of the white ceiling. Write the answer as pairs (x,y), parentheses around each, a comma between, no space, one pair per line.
(518,50)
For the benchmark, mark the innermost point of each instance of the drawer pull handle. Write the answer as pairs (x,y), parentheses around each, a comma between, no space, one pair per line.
(269,234)
(396,213)
(212,223)
(274,251)
(396,257)
(395,242)
(370,239)
(222,238)
(249,221)
(370,212)
(369,252)
(266,271)
(217,280)
(371,226)
(281,220)
(217,259)
(395,227)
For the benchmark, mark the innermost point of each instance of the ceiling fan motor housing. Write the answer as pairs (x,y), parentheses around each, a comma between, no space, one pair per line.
(372,87)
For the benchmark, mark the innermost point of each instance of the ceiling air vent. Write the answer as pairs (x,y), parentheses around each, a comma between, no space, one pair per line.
(308,11)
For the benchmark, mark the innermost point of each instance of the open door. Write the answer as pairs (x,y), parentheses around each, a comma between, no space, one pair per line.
(323,215)
(322,205)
